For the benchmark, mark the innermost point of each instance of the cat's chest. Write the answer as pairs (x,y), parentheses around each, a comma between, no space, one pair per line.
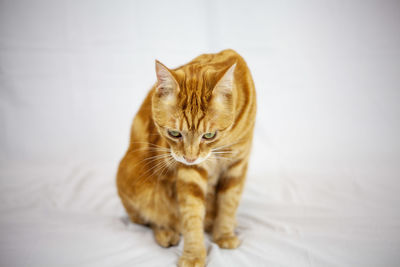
(214,169)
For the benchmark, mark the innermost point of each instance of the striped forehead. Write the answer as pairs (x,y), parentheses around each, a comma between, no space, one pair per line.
(195,84)
(191,122)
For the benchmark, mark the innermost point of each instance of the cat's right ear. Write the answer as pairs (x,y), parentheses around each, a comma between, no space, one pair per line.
(166,82)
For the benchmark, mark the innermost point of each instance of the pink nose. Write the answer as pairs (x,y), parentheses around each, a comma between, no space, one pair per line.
(189,159)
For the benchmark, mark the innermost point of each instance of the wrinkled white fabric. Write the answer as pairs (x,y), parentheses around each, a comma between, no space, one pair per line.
(323,185)
(71,216)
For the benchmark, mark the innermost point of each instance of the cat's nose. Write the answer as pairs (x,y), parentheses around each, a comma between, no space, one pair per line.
(190,160)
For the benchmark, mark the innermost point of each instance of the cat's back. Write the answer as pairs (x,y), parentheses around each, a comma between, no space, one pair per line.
(217,61)
(212,66)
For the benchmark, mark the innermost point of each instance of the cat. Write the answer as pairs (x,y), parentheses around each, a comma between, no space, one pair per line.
(187,159)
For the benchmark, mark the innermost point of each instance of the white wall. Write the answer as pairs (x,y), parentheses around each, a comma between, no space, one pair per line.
(327,73)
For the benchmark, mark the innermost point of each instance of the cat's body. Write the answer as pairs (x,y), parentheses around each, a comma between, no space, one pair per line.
(186,163)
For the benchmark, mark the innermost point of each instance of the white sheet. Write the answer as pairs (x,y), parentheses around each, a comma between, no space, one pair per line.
(323,186)
(71,216)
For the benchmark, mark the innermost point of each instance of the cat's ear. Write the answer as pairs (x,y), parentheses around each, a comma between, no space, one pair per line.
(222,100)
(166,83)
(224,86)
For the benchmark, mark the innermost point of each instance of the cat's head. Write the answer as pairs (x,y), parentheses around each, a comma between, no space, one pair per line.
(193,109)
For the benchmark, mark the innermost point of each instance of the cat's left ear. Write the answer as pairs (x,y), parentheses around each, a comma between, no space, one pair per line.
(166,82)
(222,100)
(224,87)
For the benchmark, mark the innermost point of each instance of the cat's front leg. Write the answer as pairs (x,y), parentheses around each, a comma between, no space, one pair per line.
(191,189)
(229,190)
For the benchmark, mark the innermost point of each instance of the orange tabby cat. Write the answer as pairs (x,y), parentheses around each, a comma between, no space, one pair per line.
(186,164)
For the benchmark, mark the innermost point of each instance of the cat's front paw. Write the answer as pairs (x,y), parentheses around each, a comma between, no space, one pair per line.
(166,237)
(227,241)
(193,258)
(186,261)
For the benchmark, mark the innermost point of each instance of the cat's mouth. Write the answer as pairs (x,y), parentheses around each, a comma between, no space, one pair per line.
(188,161)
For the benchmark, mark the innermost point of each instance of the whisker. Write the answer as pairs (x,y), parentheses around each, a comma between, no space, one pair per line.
(220,157)
(150,144)
(152,148)
(165,166)
(144,177)
(227,145)
(171,164)
(151,159)
(165,155)
(145,174)
(155,166)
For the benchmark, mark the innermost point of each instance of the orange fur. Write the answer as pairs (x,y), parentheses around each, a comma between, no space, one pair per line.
(186,183)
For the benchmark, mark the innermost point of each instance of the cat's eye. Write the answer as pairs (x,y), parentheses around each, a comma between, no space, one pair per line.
(209,136)
(174,134)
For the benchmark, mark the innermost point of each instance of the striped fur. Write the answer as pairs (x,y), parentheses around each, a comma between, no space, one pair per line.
(213,92)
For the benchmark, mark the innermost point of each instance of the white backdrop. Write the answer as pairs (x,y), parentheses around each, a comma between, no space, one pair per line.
(325,165)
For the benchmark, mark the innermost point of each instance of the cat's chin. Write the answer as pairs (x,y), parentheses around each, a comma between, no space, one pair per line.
(184,161)
(190,163)
(196,162)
